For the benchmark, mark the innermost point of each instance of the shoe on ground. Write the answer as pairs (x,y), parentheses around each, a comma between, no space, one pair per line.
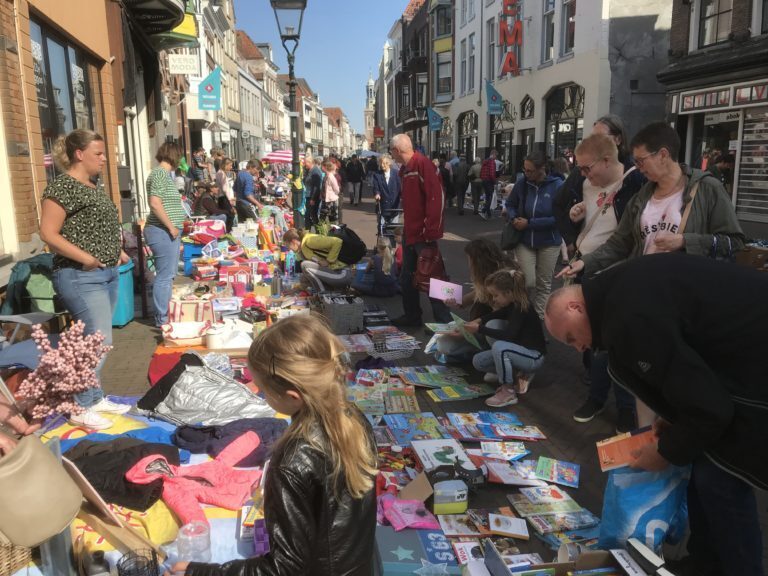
(523,382)
(490,378)
(504,397)
(626,421)
(406,322)
(484,216)
(588,411)
(109,407)
(91,420)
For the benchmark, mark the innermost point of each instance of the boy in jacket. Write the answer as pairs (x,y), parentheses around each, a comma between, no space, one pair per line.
(686,335)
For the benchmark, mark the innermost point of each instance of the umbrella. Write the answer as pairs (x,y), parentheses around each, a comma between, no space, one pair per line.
(281,156)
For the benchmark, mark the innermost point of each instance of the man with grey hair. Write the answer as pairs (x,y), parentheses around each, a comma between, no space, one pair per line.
(422,200)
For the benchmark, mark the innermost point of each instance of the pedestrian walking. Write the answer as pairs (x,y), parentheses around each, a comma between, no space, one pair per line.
(476,183)
(355,174)
(461,182)
(488,175)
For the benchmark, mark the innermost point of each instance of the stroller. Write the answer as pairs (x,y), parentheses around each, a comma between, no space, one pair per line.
(386,222)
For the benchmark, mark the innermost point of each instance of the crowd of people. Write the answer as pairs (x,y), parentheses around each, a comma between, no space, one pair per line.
(673,332)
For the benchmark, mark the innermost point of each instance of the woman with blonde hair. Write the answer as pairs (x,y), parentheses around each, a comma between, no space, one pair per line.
(319,498)
(383,277)
(80,224)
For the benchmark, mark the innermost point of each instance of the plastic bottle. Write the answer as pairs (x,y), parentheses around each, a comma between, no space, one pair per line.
(96,564)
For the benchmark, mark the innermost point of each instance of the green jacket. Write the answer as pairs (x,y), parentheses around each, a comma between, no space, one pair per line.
(712,229)
(316,246)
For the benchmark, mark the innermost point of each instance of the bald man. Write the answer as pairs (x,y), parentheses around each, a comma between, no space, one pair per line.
(687,335)
(422,200)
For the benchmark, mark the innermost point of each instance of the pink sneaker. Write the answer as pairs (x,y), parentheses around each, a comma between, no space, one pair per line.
(523,381)
(504,397)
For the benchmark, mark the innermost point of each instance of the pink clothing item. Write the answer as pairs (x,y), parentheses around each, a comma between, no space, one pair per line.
(216,482)
(660,216)
(332,189)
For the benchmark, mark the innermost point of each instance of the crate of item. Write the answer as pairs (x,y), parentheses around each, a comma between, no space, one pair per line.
(344,313)
(755,256)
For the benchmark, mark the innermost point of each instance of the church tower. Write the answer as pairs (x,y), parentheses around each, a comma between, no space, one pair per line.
(370,111)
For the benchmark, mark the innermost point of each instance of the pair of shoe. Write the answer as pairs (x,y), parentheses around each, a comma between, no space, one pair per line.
(406,322)
(523,382)
(626,420)
(92,417)
(504,397)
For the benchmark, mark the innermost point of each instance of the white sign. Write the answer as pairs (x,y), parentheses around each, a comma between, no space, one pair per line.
(721,117)
(733,145)
(188,64)
(245,134)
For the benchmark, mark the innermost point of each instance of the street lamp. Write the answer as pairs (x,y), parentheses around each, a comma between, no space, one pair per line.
(289,15)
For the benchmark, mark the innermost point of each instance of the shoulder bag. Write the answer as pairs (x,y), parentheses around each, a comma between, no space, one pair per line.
(511,236)
(428,265)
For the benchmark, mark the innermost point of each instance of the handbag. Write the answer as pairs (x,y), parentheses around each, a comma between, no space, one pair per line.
(428,265)
(37,496)
(511,236)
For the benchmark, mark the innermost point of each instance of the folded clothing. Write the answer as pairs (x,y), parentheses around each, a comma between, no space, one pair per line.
(151,434)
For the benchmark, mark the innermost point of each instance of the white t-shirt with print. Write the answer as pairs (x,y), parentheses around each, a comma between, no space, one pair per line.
(660,215)
(604,224)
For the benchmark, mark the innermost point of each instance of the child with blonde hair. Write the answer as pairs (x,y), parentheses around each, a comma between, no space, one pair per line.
(319,498)
(513,331)
(382,274)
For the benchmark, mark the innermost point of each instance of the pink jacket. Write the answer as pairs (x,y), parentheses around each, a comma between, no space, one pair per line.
(216,482)
(332,189)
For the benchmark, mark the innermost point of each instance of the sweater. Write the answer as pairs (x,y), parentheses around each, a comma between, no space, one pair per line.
(522,328)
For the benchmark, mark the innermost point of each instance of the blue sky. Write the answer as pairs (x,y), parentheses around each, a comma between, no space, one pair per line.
(341,42)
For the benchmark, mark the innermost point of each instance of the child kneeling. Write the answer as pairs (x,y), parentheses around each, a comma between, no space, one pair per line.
(513,331)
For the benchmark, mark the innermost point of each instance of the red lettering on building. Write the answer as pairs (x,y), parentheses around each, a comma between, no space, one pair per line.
(509,36)
(509,8)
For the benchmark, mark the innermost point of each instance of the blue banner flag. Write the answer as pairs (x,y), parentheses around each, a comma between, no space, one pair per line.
(209,92)
(435,120)
(495,102)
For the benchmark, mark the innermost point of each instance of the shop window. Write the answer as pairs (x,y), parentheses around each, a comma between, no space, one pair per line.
(471,50)
(565,119)
(548,26)
(62,81)
(568,19)
(714,21)
(463,67)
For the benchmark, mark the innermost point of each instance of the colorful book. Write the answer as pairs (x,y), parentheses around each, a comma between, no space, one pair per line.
(558,471)
(399,400)
(504,450)
(519,432)
(616,452)
(493,418)
(460,392)
(437,328)
(549,523)
(463,331)
(371,377)
(586,537)
(502,525)
(481,517)
(457,525)
(406,551)
(545,494)
(526,508)
(418,426)
(502,473)
(356,342)
(384,438)
(467,549)
(446,451)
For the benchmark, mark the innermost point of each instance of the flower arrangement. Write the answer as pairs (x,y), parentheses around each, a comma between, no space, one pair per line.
(63,371)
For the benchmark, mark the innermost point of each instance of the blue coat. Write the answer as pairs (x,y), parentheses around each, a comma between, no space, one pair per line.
(535,203)
(390,193)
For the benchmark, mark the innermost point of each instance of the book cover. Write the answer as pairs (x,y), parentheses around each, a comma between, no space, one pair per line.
(409,427)
(460,392)
(550,523)
(446,451)
(585,537)
(526,508)
(457,525)
(616,452)
(383,437)
(400,400)
(545,494)
(443,290)
(519,432)
(558,471)
(470,432)
(481,517)
(491,418)
(438,328)
(467,550)
(502,525)
(463,331)
(504,450)
(406,551)
(502,473)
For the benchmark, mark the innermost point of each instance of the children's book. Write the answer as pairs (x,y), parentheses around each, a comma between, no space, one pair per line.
(467,549)
(495,418)
(558,471)
(442,290)
(463,331)
(356,342)
(520,432)
(457,525)
(526,508)
(586,537)
(616,452)
(460,392)
(502,473)
(545,494)
(418,426)
(481,517)
(401,399)
(504,450)
(408,550)
(383,437)
(549,523)
(469,432)
(438,328)
(370,400)
(371,377)
(503,525)
(434,453)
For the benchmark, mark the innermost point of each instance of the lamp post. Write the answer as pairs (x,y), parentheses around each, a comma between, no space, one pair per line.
(289,15)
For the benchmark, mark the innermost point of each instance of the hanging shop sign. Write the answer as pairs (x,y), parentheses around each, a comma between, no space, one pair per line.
(187,64)
(209,93)
(495,101)
(156,16)
(510,34)
(435,120)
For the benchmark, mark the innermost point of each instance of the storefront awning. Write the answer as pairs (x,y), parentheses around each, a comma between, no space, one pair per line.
(156,16)
(184,35)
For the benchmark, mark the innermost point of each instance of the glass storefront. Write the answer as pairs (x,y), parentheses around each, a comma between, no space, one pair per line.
(565,120)
(62,81)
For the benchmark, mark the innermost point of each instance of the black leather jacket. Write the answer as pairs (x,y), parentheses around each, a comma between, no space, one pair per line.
(311,533)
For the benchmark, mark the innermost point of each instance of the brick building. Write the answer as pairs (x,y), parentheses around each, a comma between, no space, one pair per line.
(717,99)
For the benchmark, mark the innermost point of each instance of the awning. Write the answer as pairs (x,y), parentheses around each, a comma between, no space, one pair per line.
(156,16)
(183,36)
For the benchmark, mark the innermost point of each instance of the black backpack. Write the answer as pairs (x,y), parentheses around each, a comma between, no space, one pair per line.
(352,247)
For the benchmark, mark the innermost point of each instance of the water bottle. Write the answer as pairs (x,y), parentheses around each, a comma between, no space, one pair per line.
(277,285)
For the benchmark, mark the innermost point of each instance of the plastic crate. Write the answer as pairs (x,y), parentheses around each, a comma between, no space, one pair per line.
(124,309)
(189,252)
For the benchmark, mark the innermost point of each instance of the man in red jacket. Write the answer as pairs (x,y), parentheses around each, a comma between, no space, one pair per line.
(422,200)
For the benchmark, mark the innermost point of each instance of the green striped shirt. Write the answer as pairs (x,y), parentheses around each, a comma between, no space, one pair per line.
(160,184)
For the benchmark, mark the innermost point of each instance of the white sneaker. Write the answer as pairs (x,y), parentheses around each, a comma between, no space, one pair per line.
(504,397)
(490,378)
(109,407)
(90,419)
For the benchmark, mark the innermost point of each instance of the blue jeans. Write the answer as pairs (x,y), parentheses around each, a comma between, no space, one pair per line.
(504,358)
(166,252)
(488,187)
(601,383)
(725,529)
(91,297)
(456,348)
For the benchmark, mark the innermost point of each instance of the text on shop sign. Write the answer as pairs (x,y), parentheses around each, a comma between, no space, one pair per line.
(510,34)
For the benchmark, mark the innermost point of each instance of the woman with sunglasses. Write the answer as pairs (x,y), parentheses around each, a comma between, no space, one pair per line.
(529,207)
(655,218)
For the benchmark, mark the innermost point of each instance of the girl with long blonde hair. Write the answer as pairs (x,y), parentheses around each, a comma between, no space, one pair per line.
(319,498)
(381,277)
(515,336)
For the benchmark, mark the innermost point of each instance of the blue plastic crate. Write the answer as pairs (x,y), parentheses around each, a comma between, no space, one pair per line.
(190,251)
